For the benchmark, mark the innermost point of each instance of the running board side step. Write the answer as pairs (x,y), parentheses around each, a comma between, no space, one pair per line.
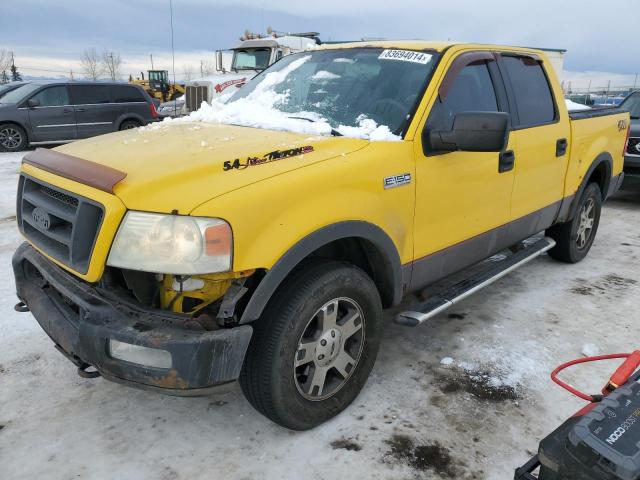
(491,270)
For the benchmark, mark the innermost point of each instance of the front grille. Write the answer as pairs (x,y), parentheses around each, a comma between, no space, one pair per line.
(632,146)
(62,224)
(194,96)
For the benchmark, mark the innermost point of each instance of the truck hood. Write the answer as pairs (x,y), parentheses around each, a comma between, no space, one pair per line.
(225,82)
(179,165)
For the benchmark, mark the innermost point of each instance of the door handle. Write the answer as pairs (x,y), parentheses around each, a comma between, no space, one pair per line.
(67,110)
(507,161)
(561,147)
(81,109)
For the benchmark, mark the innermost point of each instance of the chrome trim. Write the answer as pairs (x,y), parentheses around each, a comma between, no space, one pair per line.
(416,318)
(52,142)
(95,123)
(45,106)
(57,125)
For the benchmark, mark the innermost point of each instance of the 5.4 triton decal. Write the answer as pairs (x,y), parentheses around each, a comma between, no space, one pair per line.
(266,158)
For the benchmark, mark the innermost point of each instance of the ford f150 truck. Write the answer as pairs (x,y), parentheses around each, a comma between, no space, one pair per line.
(184,255)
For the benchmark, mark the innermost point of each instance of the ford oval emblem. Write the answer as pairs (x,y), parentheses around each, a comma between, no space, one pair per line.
(41,218)
(638,147)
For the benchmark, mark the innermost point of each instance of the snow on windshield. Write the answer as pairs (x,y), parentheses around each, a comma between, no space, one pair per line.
(324,75)
(258,110)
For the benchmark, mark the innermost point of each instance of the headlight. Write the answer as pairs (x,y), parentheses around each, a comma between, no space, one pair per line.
(177,244)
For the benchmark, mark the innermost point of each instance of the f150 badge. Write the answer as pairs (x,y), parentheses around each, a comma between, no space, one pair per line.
(397,180)
(266,158)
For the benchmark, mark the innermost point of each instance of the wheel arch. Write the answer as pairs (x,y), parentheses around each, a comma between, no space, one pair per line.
(130,116)
(360,243)
(599,172)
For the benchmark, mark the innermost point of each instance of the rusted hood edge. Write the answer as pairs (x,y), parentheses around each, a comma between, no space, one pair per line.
(77,169)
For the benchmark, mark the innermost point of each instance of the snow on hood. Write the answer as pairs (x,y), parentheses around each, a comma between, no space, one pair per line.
(258,110)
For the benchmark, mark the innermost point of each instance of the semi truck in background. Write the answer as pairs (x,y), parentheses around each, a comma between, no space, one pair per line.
(235,67)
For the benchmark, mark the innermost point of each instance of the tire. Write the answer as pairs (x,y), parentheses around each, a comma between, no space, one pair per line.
(575,237)
(285,393)
(13,138)
(129,124)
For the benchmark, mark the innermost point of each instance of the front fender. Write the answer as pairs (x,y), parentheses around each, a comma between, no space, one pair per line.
(390,269)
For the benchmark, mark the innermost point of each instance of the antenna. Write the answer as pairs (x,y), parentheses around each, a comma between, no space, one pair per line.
(173,52)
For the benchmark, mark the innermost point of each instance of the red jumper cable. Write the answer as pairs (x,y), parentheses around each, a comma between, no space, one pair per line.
(619,377)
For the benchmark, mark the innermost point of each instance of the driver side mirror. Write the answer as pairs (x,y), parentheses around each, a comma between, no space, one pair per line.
(32,103)
(471,132)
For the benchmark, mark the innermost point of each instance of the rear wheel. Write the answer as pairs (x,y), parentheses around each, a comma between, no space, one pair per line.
(575,238)
(13,138)
(312,351)
(129,124)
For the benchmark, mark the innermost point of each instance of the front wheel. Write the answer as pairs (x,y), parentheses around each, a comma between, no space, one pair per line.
(575,237)
(129,124)
(13,138)
(313,349)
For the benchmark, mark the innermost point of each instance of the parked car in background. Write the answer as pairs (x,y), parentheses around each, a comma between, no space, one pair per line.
(632,153)
(172,108)
(59,112)
(9,87)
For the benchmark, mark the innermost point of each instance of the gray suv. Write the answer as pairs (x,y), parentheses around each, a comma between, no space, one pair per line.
(58,112)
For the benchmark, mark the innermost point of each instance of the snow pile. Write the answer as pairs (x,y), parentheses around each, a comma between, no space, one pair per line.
(573,106)
(590,350)
(258,110)
(502,367)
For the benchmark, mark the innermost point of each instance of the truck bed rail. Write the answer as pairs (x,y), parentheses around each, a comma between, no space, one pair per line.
(595,112)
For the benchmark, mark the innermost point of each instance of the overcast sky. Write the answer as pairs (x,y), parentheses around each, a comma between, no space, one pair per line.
(52,34)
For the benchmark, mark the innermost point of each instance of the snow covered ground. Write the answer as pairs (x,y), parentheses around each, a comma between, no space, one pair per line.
(467,396)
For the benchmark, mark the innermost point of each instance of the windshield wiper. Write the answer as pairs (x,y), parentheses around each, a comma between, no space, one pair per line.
(334,132)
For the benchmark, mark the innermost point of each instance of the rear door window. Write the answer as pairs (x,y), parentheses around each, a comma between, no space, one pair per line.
(127,94)
(52,96)
(533,96)
(90,94)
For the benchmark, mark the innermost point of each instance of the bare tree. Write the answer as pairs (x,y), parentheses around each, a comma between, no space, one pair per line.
(207,67)
(90,64)
(5,59)
(187,72)
(112,64)
(5,64)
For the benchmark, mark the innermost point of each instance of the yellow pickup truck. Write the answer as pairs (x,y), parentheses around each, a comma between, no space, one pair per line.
(260,240)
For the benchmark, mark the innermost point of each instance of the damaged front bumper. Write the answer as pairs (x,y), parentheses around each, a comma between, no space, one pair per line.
(83,320)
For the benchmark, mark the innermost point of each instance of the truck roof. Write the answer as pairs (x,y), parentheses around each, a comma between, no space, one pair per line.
(438,46)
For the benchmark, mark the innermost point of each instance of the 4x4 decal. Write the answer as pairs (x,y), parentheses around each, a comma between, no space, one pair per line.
(266,158)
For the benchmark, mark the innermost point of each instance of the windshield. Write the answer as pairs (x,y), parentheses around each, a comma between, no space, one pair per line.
(251,59)
(347,88)
(19,93)
(632,104)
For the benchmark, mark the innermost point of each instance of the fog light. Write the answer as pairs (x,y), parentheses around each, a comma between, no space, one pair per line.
(145,356)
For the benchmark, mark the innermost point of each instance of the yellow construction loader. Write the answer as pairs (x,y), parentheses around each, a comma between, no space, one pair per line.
(158,86)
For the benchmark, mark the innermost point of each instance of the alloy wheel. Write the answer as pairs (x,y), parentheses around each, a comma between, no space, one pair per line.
(10,138)
(585,227)
(329,349)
